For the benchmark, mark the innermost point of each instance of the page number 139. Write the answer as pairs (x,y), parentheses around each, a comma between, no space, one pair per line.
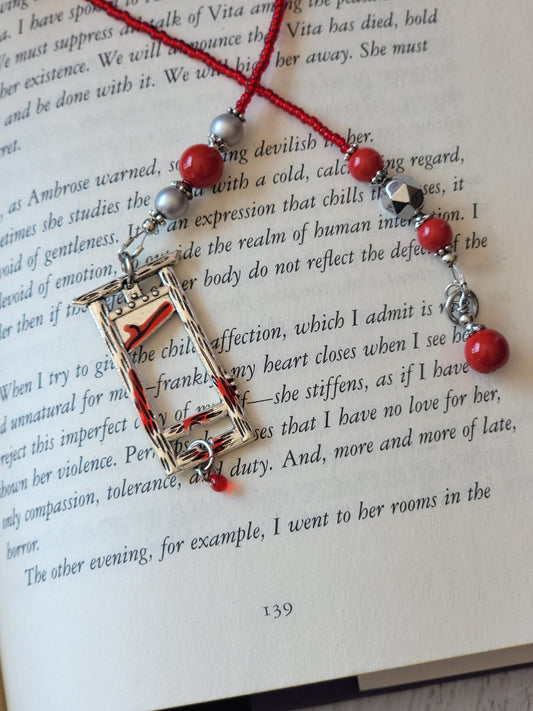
(283,609)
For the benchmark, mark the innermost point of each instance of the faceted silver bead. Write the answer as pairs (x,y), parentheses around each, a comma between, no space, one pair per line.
(227,127)
(171,202)
(402,196)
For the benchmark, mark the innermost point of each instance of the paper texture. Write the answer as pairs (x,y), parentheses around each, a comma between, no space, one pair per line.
(383,517)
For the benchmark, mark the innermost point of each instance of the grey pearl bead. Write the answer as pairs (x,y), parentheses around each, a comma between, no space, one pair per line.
(171,202)
(228,127)
(402,196)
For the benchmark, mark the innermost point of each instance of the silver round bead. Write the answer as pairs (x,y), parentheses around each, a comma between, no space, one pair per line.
(150,225)
(228,127)
(449,258)
(158,217)
(465,319)
(351,150)
(380,178)
(402,196)
(171,202)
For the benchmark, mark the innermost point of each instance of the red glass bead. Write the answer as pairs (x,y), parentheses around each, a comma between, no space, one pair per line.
(218,482)
(434,234)
(201,166)
(486,350)
(364,164)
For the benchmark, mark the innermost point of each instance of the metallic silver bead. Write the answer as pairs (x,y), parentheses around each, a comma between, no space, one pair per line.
(402,196)
(380,178)
(465,319)
(228,127)
(171,202)
(150,225)
(351,150)
(157,216)
(473,328)
(186,188)
(443,251)
(237,114)
(216,142)
(449,258)
(421,218)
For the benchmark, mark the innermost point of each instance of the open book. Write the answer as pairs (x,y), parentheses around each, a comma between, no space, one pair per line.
(382,517)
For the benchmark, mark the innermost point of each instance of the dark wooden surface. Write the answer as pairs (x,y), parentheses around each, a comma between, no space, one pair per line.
(500,691)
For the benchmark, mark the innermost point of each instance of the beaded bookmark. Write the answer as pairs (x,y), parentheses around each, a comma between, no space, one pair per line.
(201,166)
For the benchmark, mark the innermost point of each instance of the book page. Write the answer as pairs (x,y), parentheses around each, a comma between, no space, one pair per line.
(382,517)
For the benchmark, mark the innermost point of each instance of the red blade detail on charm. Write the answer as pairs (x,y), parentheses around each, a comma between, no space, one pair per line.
(227,391)
(141,403)
(139,332)
(199,418)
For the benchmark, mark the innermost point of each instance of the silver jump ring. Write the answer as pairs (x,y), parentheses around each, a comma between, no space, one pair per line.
(128,268)
(203,469)
(460,302)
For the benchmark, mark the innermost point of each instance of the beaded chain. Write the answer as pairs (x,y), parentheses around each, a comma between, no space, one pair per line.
(201,166)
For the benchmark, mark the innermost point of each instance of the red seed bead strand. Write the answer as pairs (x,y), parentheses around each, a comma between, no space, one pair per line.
(264,59)
(201,165)
(364,164)
(434,234)
(486,350)
(218,482)
(223,68)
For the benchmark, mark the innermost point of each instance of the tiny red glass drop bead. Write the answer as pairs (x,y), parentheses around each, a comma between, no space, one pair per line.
(364,164)
(434,234)
(201,165)
(486,350)
(218,482)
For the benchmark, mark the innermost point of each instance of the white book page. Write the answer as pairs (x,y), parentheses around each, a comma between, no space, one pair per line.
(383,517)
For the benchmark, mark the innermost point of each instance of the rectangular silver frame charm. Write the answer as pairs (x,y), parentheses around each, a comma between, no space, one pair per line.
(123,332)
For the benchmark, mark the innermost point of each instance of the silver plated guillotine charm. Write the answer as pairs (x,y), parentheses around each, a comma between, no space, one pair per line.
(124,329)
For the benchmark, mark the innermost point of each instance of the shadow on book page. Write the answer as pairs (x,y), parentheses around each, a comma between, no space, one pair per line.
(468,664)
(3,704)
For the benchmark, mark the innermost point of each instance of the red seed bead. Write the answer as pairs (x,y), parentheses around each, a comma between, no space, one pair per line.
(218,482)
(201,166)
(486,350)
(364,164)
(434,234)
